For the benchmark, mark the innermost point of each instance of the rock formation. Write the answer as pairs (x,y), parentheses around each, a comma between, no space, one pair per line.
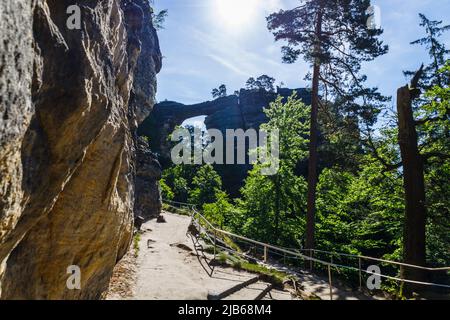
(148,202)
(167,115)
(70,102)
(232,112)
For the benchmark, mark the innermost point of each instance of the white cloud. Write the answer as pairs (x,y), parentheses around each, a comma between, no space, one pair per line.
(227,64)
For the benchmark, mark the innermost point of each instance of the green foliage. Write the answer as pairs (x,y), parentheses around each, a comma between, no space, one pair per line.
(272,207)
(435,147)
(166,191)
(136,241)
(340,41)
(159,18)
(437,52)
(263,82)
(340,144)
(359,214)
(206,185)
(433,130)
(178,179)
(434,114)
(221,213)
(194,184)
(219,92)
(262,220)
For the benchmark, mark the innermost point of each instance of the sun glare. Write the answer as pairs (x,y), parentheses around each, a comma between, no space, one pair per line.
(236,13)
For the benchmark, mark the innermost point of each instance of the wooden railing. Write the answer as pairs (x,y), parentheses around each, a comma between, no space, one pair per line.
(217,238)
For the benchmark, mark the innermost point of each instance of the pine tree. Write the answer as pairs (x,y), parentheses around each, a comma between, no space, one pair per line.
(263,82)
(437,51)
(219,92)
(423,141)
(334,38)
(429,139)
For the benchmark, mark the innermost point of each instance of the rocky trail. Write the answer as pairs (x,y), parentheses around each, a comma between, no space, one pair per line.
(167,267)
(164,265)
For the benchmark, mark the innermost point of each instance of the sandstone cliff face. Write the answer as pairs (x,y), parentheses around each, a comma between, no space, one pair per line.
(167,115)
(67,159)
(148,201)
(16,62)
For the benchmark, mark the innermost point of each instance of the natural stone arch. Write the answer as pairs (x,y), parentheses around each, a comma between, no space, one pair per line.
(167,115)
(232,112)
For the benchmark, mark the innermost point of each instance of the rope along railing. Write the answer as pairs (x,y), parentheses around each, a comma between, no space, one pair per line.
(262,252)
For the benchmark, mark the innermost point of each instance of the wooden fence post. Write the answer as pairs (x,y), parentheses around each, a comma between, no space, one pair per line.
(360,275)
(215,241)
(330,283)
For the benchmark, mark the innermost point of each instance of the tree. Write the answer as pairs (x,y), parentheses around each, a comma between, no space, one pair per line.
(425,153)
(424,158)
(159,18)
(166,191)
(263,82)
(423,141)
(437,175)
(219,92)
(340,143)
(431,74)
(206,185)
(332,36)
(414,182)
(220,212)
(360,213)
(177,179)
(272,205)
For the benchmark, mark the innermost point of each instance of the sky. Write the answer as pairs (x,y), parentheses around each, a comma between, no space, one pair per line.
(209,42)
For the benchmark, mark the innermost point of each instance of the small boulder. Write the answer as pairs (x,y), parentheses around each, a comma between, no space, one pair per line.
(161,219)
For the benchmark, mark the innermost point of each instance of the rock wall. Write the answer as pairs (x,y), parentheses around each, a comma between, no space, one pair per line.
(148,202)
(167,115)
(231,112)
(71,101)
(16,65)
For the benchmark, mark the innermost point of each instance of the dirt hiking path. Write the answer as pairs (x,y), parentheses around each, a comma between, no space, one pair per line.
(167,267)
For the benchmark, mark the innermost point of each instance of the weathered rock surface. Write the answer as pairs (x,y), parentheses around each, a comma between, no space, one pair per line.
(232,112)
(148,65)
(67,158)
(167,115)
(16,65)
(148,202)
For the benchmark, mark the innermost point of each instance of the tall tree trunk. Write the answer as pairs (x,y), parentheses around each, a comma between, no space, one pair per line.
(414,185)
(313,136)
